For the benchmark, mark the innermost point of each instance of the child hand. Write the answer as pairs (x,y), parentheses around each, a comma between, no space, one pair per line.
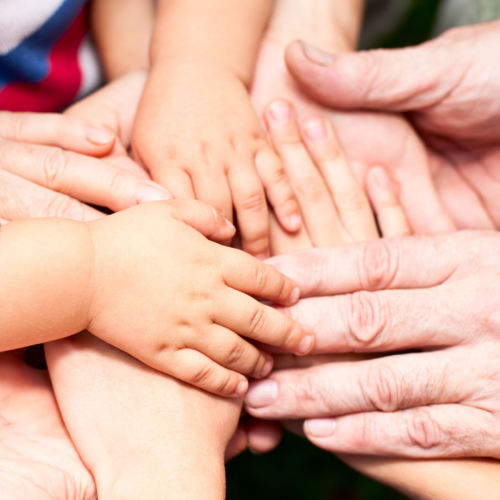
(173,299)
(198,134)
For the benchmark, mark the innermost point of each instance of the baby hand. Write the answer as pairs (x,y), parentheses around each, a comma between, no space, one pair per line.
(198,134)
(165,294)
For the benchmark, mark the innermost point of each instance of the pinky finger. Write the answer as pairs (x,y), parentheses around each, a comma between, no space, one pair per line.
(196,369)
(384,199)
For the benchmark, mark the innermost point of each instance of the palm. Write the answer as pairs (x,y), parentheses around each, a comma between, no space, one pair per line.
(37,458)
(368,139)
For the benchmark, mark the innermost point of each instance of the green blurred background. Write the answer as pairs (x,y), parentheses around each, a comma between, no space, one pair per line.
(297,470)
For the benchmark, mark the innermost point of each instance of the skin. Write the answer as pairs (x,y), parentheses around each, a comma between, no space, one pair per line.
(448,89)
(187,132)
(57,162)
(368,139)
(37,457)
(81,265)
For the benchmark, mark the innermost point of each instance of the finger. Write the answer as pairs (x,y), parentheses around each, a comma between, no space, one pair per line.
(51,129)
(249,318)
(263,436)
(176,181)
(383,196)
(196,369)
(21,199)
(214,190)
(249,275)
(389,320)
(227,349)
(202,217)
(238,444)
(352,205)
(81,177)
(3,222)
(278,190)
(384,384)
(381,79)
(251,209)
(410,262)
(316,205)
(426,432)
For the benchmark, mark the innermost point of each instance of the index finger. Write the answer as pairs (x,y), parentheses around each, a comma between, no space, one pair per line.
(410,262)
(249,275)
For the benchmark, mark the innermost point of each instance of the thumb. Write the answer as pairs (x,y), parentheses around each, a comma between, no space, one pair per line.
(204,218)
(396,80)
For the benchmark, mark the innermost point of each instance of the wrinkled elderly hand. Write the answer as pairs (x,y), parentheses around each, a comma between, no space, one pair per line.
(50,163)
(37,458)
(436,294)
(449,88)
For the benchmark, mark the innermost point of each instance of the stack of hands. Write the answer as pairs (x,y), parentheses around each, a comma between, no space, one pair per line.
(398,339)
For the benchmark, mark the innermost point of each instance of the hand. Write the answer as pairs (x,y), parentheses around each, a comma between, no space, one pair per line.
(47,165)
(198,135)
(37,457)
(431,293)
(152,260)
(448,89)
(368,140)
(140,432)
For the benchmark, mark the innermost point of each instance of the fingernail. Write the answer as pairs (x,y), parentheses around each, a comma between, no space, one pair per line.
(100,136)
(261,394)
(315,130)
(267,367)
(280,111)
(241,388)
(230,225)
(147,193)
(306,344)
(381,178)
(321,427)
(295,222)
(316,55)
(295,295)
(255,452)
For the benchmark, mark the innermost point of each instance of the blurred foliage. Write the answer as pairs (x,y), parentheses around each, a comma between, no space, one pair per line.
(297,470)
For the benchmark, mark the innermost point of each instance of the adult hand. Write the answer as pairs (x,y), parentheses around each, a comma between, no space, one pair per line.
(450,91)
(368,139)
(48,163)
(437,294)
(37,458)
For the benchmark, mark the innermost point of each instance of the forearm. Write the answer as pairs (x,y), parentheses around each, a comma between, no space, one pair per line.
(122,31)
(220,34)
(330,25)
(45,271)
(466,479)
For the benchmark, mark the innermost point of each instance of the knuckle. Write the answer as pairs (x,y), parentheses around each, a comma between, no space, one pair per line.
(259,321)
(354,201)
(379,265)
(203,375)
(311,187)
(54,164)
(382,388)
(261,277)
(236,354)
(17,125)
(254,202)
(366,319)
(310,395)
(424,431)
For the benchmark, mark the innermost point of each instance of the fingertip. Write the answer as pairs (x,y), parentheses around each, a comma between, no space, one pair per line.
(267,368)
(241,388)
(306,344)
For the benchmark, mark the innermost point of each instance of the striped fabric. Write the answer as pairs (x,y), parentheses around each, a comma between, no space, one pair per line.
(46,57)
